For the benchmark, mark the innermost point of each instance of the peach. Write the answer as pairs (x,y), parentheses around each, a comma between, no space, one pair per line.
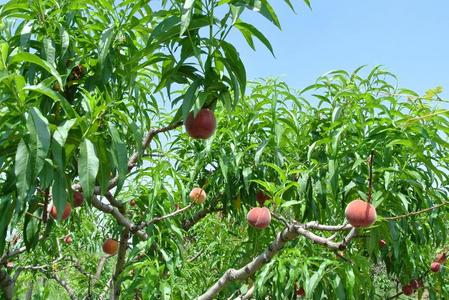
(68,239)
(435,267)
(382,243)
(360,213)
(78,199)
(65,214)
(197,195)
(415,284)
(202,126)
(259,217)
(110,246)
(261,197)
(407,290)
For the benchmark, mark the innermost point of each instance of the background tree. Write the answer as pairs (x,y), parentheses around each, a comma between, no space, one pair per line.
(93,96)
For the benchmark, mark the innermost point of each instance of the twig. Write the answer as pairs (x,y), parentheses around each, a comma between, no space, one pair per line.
(188,223)
(65,285)
(249,293)
(135,156)
(158,219)
(100,267)
(414,213)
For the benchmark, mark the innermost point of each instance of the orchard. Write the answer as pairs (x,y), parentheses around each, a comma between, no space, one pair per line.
(137,161)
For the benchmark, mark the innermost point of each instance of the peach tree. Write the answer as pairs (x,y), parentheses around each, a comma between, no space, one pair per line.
(135,163)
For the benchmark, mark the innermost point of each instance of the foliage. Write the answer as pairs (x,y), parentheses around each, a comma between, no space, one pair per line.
(83,83)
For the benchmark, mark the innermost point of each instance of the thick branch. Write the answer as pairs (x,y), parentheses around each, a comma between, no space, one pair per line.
(315,225)
(121,219)
(120,265)
(288,233)
(158,219)
(6,285)
(246,271)
(113,201)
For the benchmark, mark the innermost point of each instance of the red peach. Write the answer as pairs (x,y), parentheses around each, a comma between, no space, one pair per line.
(110,246)
(261,197)
(202,126)
(435,267)
(259,217)
(65,214)
(78,199)
(197,195)
(360,213)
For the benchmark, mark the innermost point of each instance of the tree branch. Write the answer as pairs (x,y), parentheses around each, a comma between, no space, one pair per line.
(290,232)
(100,267)
(249,269)
(158,219)
(121,219)
(64,284)
(188,223)
(120,265)
(6,285)
(414,213)
(135,156)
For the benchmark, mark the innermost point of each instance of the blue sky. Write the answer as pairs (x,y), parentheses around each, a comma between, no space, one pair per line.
(408,37)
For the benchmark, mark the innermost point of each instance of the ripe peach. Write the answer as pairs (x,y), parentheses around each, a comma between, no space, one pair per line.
(65,214)
(407,290)
(78,199)
(261,197)
(202,126)
(415,284)
(110,246)
(382,243)
(360,213)
(259,217)
(197,195)
(300,292)
(68,239)
(435,267)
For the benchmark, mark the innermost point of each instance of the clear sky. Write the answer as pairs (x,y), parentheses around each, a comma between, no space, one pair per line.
(408,37)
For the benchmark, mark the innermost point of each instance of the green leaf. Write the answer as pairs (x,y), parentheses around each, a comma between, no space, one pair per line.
(66,106)
(31,58)
(49,51)
(37,126)
(106,40)
(245,27)
(22,170)
(120,155)
(186,15)
(262,7)
(7,205)
(65,40)
(87,167)
(59,192)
